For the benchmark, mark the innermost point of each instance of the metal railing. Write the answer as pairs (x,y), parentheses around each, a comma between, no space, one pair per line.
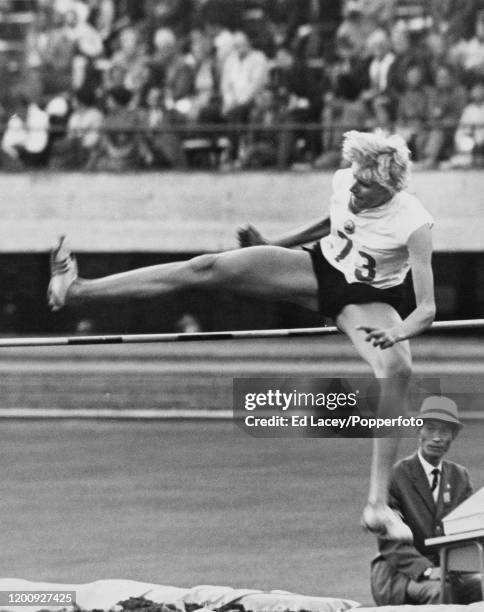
(244,128)
(313,137)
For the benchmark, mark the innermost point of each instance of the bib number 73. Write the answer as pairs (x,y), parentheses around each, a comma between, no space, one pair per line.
(368,269)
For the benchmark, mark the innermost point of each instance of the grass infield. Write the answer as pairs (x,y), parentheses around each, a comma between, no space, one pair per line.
(185,503)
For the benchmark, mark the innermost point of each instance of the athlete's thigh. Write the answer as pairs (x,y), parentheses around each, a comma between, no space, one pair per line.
(384,362)
(270,272)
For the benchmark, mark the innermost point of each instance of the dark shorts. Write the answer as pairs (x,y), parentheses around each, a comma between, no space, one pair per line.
(334,292)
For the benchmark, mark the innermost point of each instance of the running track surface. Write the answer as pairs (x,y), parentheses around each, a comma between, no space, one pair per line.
(199,376)
(187,502)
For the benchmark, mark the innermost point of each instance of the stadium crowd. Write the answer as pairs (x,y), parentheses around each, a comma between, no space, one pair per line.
(121,85)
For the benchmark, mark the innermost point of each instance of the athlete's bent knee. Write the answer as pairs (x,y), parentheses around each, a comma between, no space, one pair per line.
(398,367)
(202,264)
(206,269)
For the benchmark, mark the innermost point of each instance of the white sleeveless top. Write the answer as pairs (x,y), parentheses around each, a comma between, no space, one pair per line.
(371,246)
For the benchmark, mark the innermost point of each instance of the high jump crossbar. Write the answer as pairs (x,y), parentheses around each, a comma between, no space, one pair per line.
(208,336)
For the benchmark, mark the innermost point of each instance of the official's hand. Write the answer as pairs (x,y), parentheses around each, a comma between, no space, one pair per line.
(435,574)
(249,236)
(383,338)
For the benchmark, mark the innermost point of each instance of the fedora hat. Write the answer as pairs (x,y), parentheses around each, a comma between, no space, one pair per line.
(440,408)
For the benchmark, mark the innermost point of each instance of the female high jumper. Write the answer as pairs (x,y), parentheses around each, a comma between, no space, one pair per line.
(375,233)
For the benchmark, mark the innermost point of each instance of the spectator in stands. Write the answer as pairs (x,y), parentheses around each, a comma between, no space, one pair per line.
(26,138)
(344,108)
(303,80)
(223,43)
(101,16)
(257,26)
(172,14)
(114,77)
(318,22)
(37,44)
(121,146)
(382,115)
(307,45)
(83,33)
(206,102)
(379,12)
(88,47)
(245,74)
(436,53)
(131,60)
(413,110)
(355,28)
(219,19)
(468,55)
(446,103)
(164,143)
(406,53)
(261,145)
(60,50)
(454,19)
(222,79)
(400,42)
(62,7)
(382,58)
(469,136)
(287,16)
(172,70)
(218,16)
(133,11)
(83,133)
(58,109)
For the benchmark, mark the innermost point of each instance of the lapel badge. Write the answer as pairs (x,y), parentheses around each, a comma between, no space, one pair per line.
(349,226)
(446,497)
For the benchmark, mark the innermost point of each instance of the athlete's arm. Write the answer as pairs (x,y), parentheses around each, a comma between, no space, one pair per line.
(250,236)
(420,252)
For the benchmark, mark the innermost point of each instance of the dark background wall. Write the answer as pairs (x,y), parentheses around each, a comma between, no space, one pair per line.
(459,279)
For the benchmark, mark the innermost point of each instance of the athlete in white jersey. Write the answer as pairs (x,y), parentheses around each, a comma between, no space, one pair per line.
(354,273)
(370,246)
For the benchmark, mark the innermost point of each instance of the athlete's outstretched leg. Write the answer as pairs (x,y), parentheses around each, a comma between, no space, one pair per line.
(263,271)
(392,367)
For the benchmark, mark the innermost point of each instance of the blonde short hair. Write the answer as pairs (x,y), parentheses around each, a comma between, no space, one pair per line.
(382,159)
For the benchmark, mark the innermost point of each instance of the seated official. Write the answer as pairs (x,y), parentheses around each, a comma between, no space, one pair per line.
(424,488)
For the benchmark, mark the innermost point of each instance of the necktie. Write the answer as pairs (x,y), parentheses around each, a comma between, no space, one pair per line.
(435,481)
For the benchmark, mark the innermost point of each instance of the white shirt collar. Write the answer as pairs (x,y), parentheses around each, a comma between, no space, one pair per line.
(428,467)
(374,213)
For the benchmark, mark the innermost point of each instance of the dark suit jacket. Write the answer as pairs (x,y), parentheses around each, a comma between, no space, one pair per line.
(410,495)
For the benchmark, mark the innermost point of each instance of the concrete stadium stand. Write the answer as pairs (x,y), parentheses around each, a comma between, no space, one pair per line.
(195,212)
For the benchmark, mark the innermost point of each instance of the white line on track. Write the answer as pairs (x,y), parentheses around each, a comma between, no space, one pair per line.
(234,370)
(112,413)
(143,414)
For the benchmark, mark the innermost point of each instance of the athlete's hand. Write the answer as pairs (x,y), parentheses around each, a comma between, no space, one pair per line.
(249,236)
(383,338)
